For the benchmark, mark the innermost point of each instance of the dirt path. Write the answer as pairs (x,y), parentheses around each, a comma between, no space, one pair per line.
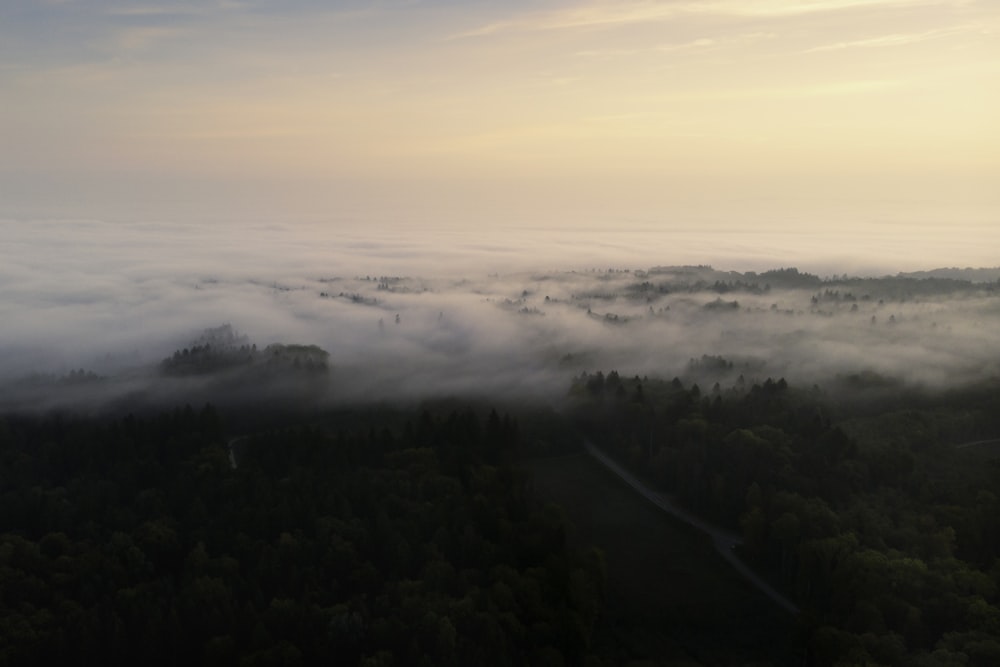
(976,443)
(725,541)
(231,446)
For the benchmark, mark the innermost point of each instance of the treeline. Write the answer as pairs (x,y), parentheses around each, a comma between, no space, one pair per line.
(160,540)
(902,287)
(885,533)
(206,359)
(223,348)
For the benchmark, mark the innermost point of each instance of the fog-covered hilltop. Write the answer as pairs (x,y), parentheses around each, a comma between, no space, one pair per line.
(222,349)
(330,338)
(954,273)
(220,365)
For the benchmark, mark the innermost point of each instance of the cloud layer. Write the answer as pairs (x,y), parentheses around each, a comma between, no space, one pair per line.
(406,314)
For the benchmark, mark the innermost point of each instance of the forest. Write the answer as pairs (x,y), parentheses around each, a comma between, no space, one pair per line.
(146,540)
(386,535)
(878,517)
(438,480)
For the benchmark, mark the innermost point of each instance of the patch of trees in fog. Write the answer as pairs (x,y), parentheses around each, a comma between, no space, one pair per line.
(222,349)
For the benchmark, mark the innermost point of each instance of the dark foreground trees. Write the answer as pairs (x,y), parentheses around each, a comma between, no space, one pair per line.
(138,541)
(869,513)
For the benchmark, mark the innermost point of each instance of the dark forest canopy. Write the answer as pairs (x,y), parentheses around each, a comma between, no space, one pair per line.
(393,536)
(161,540)
(881,522)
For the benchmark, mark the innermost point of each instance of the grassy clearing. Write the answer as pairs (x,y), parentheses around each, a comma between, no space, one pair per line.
(671,599)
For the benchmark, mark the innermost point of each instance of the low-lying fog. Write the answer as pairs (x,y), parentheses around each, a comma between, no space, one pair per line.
(422,314)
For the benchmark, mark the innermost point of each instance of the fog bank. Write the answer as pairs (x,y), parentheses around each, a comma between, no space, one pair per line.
(410,313)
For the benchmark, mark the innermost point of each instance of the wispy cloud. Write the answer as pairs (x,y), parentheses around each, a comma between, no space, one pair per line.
(895,39)
(700,43)
(610,15)
(824,89)
(605,53)
(484,30)
(137,38)
(712,43)
(799,7)
(174,9)
(845,87)
(149,11)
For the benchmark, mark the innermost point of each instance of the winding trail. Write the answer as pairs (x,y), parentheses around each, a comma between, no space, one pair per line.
(725,541)
(231,446)
(976,443)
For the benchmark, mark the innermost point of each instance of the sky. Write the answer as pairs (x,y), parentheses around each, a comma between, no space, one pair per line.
(863,116)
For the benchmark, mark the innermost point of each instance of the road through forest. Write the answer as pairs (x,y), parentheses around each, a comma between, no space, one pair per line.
(725,541)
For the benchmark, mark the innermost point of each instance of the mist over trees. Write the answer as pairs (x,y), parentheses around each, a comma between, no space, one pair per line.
(375,336)
(315,506)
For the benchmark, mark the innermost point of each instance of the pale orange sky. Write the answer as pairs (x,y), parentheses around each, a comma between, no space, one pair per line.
(721,111)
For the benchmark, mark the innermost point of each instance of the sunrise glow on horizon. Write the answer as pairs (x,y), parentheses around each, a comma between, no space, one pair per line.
(853,111)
